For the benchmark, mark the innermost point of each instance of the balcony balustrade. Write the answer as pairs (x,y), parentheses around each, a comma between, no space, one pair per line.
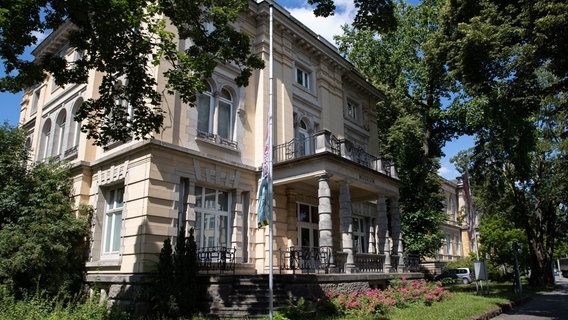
(324,141)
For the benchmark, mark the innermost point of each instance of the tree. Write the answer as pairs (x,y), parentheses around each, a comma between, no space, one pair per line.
(41,240)
(126,39)
(511,59)
(174,288)
(408,66)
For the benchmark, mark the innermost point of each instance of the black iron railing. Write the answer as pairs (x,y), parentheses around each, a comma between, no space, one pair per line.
(305,259)
(216,258)
(324,141)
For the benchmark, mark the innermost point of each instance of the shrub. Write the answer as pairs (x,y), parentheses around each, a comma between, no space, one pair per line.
(376,302)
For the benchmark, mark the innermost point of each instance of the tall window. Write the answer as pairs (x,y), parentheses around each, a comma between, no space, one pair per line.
(113,221)
(35,101)
(308,231)
(302,145)
(359,239)
(353,110)
(45,140)
(448,244)
(215,114)
(303,78)
(453,208)
(212,217)
(59,133)
(75,129)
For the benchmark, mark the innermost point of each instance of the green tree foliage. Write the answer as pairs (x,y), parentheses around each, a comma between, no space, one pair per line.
(498,233)
(409,67)
(511,58)
(174,290)
(126,40)
(41,240)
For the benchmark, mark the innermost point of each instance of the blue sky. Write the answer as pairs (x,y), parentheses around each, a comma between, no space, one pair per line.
(326,27)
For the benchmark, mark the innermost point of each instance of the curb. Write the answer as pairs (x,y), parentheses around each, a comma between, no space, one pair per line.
(492,313)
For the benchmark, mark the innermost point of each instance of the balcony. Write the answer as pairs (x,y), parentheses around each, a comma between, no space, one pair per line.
(325,142)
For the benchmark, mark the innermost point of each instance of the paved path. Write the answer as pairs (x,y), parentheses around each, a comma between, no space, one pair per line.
(550,306)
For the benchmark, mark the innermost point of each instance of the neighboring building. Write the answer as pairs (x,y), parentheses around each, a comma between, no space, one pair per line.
(458,241)
(331,188)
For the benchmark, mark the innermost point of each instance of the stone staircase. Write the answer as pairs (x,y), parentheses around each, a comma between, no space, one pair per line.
(240,296)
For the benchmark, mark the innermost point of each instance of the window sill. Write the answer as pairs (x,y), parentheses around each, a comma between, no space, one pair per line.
(104,262)
(219,143)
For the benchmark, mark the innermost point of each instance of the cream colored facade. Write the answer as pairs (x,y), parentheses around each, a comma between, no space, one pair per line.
(331,188)
(458,241)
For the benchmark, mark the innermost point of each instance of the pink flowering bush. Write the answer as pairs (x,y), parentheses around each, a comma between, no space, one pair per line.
(400,294)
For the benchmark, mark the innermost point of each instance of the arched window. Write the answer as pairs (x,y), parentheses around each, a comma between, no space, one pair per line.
(225,114)
(205,109)
(453,209)
(302,146)
(75,129)
(45,140)
(58,147)
(215,115)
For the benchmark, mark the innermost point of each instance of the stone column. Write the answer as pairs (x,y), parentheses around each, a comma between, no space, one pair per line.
(372,232)
(324,210)
(396,233)
(237,225)
(383,231)
(346,227)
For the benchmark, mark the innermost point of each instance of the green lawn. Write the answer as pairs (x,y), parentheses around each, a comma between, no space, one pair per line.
(465,304)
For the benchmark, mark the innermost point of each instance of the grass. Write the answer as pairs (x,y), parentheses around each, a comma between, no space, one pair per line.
(465,304)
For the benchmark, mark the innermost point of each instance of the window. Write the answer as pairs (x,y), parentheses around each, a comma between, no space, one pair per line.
(113,221)
(303,78)
(448,245)
(35,101)
(359,244)
(453,208)
(353,110)
(308,231)
(45,140)
(59,133)
(302,145)
(212,217)
(215,115)
(74,131)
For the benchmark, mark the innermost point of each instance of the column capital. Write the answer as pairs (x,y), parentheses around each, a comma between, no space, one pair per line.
(324,176)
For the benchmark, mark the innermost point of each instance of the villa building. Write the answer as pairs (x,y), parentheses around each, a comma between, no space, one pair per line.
(332,192)
(458,240)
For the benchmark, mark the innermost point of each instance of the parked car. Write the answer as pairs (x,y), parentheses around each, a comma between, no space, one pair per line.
(459,274)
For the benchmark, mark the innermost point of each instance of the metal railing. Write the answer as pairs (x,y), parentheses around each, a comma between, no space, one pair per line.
(324,141)
(217,139)
(305,259)
(216,258)
(369,262)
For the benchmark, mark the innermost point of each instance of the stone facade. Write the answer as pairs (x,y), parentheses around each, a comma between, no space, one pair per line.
(331,188)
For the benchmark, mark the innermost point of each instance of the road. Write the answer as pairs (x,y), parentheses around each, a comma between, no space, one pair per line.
(550,306)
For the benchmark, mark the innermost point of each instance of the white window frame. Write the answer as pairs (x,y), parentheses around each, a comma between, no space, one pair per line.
(210,215)
(311,224)
(213,114)
(60,133)
(35,100)
(453,209)
(353,110)
(303,77)
(359,235)
(112,230)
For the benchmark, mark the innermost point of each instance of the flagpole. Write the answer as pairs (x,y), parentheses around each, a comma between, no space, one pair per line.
(270,151)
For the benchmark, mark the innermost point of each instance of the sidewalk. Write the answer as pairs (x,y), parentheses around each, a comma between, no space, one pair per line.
(550,306)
